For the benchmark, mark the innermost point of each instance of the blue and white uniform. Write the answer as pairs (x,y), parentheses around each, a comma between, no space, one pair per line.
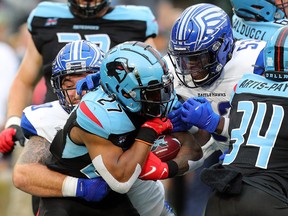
(246,54)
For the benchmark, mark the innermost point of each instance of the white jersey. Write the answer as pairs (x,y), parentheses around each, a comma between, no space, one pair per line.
(148,197)
(245,56)
(43,120)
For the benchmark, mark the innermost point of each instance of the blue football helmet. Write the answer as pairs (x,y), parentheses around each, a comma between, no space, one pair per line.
(136,75)
(201,43)
(74,58)
(87,11)
(276,56)
(259,10)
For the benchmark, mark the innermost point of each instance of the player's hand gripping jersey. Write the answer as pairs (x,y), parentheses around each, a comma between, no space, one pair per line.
(52,25)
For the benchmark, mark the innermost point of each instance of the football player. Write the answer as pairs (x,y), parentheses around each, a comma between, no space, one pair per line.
(40,123)
(51,26)
(255,167)
(258,19)
(208,63)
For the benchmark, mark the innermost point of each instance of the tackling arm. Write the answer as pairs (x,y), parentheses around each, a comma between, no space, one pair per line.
(32,176)
(120,169)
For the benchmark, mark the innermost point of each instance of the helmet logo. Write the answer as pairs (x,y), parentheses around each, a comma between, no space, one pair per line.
(207,22)
(75,66)
(118,69)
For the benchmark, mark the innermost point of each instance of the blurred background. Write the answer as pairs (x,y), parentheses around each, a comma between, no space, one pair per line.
(13,34)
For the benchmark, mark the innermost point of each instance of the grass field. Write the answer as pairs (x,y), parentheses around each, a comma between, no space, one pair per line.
(13,202)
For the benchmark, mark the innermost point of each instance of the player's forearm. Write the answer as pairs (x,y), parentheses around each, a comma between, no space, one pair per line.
(122,171)
(222,127)
(123,166)
(31,175)
(38,180)
(190,150)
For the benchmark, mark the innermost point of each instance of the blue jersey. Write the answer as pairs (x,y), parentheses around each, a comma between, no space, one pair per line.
(98,114)
(52,25)
(259,133)
(46,119)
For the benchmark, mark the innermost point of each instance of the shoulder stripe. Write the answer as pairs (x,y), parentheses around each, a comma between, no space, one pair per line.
(89,114)
(279,49)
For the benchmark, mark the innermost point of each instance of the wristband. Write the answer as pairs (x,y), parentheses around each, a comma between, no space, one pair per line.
(225,127)
(146,135)
(142,141)
(13,120)
(173,168)
(208,148)
(69,186)
(193,165)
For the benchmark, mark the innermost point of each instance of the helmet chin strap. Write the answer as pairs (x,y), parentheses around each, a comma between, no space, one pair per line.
(201,80)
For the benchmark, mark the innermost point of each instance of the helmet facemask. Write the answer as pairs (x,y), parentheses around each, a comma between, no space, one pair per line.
(282,6)
(263,11)
(156,97)
(89,10)
(62,93)
(200,68)
(67,63)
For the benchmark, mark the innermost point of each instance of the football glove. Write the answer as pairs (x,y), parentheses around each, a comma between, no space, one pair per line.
(175,118)
(89,189)
(90,82)
(198,111)
(8,138)
(150,130)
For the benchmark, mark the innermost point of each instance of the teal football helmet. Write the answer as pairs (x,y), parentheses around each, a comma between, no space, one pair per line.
(137,76)
(260,10)
(276,56)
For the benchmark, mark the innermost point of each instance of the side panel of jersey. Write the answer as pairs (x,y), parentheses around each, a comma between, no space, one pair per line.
(52,26)
(258,131)
(43,120)
(255,30)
